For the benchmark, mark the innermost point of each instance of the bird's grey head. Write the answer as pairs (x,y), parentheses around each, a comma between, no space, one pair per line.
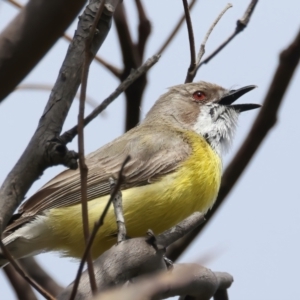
(204,107)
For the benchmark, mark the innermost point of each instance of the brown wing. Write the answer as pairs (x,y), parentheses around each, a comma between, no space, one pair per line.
(153,153)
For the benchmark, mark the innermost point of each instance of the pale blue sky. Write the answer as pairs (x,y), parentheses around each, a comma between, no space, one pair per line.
(255,235)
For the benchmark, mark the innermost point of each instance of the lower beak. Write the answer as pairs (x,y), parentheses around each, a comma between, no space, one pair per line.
(233,95)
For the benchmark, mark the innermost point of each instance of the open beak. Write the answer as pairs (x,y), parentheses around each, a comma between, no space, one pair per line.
(233,95)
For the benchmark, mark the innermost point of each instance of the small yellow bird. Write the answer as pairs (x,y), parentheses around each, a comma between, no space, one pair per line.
(175,170)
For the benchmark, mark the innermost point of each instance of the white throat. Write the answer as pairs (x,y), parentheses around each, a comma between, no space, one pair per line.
(217,124)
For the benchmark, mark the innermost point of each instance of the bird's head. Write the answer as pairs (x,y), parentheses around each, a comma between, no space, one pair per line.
(203,107)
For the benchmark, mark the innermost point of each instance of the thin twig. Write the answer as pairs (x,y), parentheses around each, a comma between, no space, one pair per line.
(97,226)
(202,47)
(191,41)
(82,165)
(265,120)
(118,209)
(175,30)
(20,270)
(68,136)
(241,25)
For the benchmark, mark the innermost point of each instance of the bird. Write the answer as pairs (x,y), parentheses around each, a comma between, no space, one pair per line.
(175,170)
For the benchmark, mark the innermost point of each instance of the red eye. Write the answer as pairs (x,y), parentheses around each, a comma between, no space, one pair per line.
(199,96)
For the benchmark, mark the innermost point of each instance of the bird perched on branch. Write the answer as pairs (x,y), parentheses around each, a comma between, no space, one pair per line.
(175,170)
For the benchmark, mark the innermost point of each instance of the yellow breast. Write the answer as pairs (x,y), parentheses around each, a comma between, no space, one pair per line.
(158,206)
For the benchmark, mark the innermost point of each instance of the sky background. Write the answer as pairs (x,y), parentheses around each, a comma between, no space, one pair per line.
(255,235)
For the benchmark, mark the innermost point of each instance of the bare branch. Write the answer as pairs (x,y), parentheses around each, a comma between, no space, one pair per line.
(118,209)
(191,41)
(97,226)
(265,120)
(241,25)
(183,278)
(21,272)
(29,37)
(68,136)
(132,258)
(202,47)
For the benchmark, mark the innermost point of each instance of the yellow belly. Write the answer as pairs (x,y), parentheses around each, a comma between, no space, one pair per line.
(157,206)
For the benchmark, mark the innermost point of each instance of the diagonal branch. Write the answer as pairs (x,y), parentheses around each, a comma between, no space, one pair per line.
(265,120)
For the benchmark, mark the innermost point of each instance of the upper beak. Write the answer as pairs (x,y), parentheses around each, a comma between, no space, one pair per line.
(233,95)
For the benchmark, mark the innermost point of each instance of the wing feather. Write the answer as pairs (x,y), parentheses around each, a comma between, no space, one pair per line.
(152,155)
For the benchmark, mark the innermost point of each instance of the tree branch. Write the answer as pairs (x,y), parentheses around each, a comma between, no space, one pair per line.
(132,258)
(118,209)
(183,278)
